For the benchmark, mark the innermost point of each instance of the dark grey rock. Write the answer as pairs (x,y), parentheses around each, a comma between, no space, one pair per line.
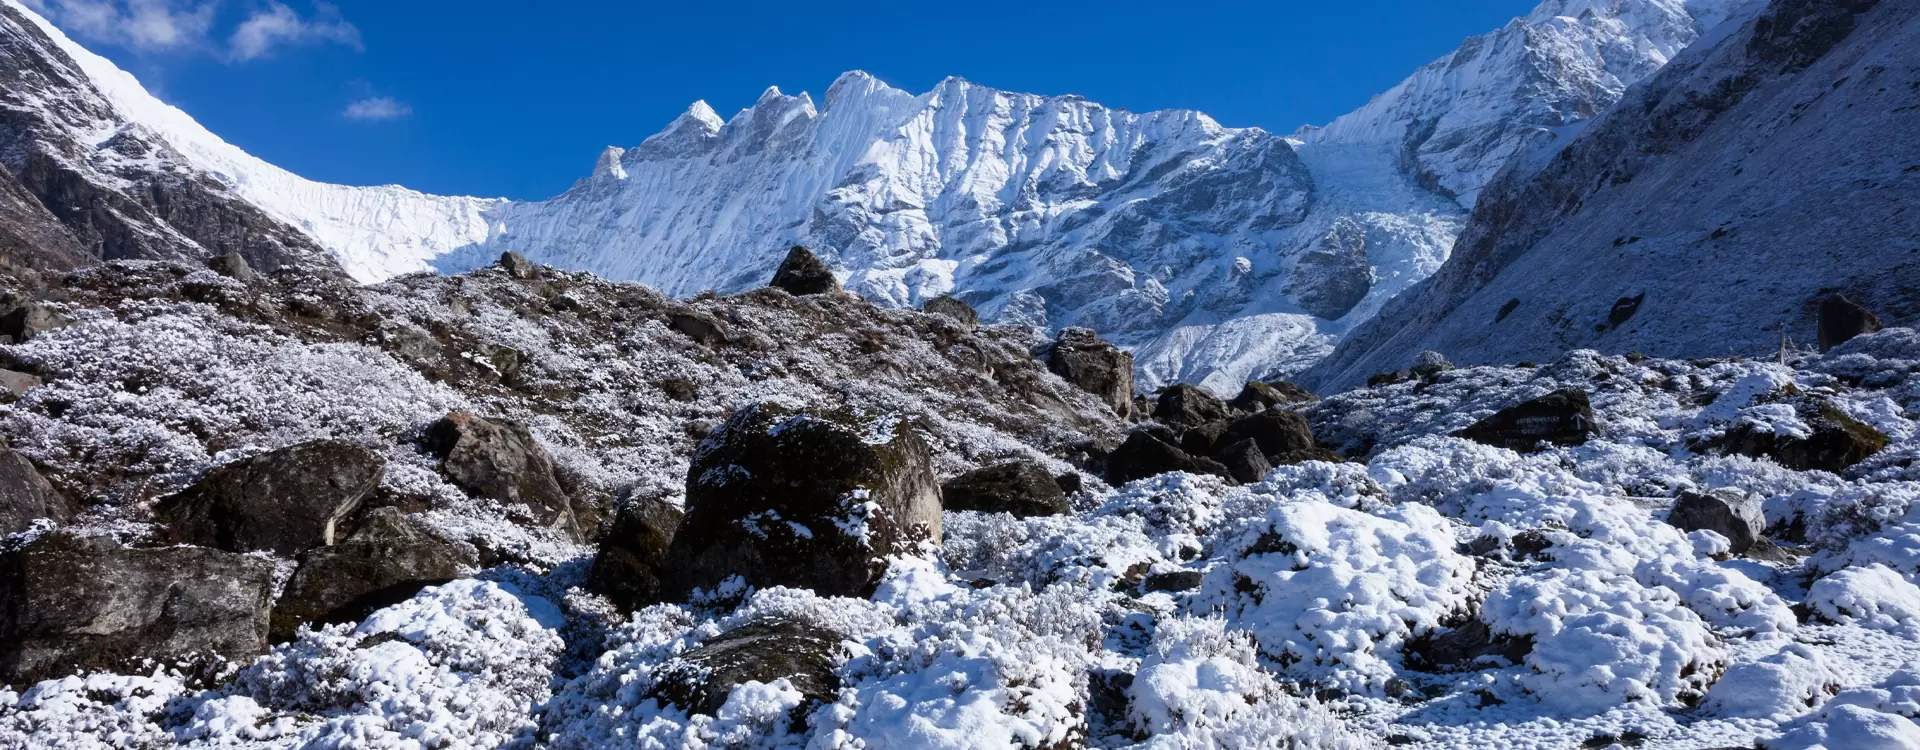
(803,273)
(500,460)
(809,499)
(232,265)
(1841,319)
(25,320)
(1278,432)
(1563,417)
(517,266)
(26,496)
(1258,396)
(1838,441)
(699,680)
(288,501)
(1021,488)
(1182,405)
(1727,511)
(1094,366)
(72,603)
(1470,646)
(1178,580)
(1143,455)
(633,556)
(1244,460)
(953,307)
(700,327)
(386,561)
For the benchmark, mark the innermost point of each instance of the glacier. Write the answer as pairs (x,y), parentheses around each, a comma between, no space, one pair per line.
(1214,253)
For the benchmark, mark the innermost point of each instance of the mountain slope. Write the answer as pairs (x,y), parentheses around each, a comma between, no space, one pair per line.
(1215,253)
(1718,203)
(112,187)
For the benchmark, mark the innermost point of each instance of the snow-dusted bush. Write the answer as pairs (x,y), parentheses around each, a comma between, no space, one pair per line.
(1787,683)
(1601,639)
(1872,596)
(1331,593)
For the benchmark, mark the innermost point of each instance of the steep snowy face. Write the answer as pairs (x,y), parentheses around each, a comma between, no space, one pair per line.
(1707,215)
(1043,210)
(84,181)
(1457,121)
(1394,180)
(115,133)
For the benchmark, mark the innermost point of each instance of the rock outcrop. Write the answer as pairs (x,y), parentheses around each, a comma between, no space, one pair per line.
(810,499)
(1837,441)
(1841,319)
(1095,366)
(1563,417)
(1021,488)
(500,460)
(953,307)
(287,501)
(1729,512)
(387,559)
(25,496)
(803,273)
(700,680)
(71,603)
(633,555)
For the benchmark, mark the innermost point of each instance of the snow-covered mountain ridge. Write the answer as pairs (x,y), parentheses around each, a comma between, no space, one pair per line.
(1216,253)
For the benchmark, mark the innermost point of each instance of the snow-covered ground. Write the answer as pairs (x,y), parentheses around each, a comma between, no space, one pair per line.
(1321,589)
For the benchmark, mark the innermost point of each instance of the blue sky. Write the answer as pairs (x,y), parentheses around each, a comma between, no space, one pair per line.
(516,99)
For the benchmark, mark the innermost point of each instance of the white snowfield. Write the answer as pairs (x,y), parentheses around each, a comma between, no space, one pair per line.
(1215,253)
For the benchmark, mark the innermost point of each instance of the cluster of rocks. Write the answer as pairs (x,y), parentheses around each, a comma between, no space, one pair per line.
(1193,431)
(200,591)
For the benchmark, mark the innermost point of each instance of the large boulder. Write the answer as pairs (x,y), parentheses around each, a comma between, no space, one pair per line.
(1182,405)
(500,460)
(25,496)
(1244,460)
(700,680)
(386,560)
(517,266)
(287,501)
(1021,488)
(952,307)
(808,499)
(1841,319)
(22,321)
(804,273)
(633,555)
(1095,366)
(16,384)
(1258,396)
(1284,436)
(1728,512)
(1144,455)
(1837,441)
(1563,417)
(70,603)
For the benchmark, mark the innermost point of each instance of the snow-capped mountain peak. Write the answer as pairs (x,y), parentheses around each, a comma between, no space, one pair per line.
(1216,253)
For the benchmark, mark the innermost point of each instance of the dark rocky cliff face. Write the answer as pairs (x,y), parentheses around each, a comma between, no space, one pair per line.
(126,197)
(1726,197)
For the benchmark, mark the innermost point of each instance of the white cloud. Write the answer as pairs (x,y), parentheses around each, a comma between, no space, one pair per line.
(137,24)
(277,24)
(378,108)
(167,25)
